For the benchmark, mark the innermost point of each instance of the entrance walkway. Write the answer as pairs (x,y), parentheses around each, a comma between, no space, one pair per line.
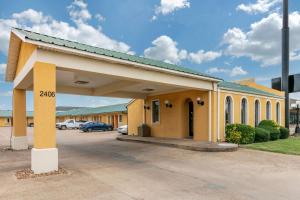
(182,143)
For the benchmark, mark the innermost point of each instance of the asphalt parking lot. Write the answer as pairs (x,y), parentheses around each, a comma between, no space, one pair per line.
(100,167)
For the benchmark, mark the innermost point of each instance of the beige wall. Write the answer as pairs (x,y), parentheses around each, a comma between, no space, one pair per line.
(173,121)
(135,116)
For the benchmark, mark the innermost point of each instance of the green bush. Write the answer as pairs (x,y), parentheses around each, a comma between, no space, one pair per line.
(247,133)
(235,137)
(284,132)
(261,135)
(274,132)
(268,123)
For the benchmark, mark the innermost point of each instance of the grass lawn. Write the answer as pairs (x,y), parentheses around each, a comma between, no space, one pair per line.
(286,146)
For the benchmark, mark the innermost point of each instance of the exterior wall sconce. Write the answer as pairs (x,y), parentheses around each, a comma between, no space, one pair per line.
(199,101)
(168,104)
(146,107)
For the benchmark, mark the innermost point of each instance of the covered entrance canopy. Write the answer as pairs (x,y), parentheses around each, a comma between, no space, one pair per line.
(49,65)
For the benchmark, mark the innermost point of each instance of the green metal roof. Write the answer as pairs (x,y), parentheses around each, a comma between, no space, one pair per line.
(8,113)
(76,112)
(92,111)
(245,89)
(105,52)
(5,113)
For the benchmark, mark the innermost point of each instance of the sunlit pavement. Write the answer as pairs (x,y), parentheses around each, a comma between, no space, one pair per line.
(100,167)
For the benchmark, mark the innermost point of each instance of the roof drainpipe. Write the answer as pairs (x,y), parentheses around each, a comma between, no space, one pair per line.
(285,59)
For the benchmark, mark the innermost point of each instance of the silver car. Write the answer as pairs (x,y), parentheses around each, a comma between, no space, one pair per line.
(123,129)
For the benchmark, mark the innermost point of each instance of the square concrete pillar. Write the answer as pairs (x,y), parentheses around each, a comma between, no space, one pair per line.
(44,155)
(19,138)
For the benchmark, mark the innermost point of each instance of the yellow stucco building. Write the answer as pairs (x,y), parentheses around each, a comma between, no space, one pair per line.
(6,118)
(174,101)
(115,115)
(189,114)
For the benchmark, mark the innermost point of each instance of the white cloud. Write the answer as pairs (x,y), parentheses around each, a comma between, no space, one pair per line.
(100,18)
(216,70)
(262,43)
(236,71)
(202,56)
(79,12)
(165,48)
(31,16)
(81,31)
(2,68)
(169,6)
(260,6)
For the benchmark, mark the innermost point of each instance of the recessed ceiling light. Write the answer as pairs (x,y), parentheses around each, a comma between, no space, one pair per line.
(148,89)
(81,82)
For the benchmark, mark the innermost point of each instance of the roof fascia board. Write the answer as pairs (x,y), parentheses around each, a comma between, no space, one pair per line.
(73,62)
(26,69)
(116,60)
(19,34)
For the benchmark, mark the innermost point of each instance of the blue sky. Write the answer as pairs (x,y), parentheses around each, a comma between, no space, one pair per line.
(233,40)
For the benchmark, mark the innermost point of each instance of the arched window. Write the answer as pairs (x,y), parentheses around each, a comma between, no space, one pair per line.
(257,112)
(278,113)
(228,110)
(268,110)
(244,111)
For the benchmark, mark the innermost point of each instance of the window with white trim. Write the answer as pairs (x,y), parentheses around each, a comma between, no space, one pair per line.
(268,110)
(228,110)
(244,111)
(278,113)
(257,112)
(120,118)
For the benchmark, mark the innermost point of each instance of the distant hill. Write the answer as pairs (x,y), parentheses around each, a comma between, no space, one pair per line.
(67,108)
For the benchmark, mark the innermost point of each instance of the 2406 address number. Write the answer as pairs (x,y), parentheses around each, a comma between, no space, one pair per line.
(47,94)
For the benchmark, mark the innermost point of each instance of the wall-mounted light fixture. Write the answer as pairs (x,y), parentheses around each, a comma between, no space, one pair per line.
(200,101)
(146,107)
(168,104)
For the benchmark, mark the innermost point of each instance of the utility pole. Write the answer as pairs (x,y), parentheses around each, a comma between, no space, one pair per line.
(285,60)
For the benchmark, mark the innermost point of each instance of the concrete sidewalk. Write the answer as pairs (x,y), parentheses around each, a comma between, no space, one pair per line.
(187,144)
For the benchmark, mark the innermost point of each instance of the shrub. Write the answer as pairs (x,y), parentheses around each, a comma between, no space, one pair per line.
(247,133)
(268,123)
(284,132)
(261,135)
(274,132)
(235,137)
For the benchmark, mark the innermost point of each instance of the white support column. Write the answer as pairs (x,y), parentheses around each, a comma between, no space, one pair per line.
(218,115)
(44,155)
(19,143)
(209,116)
(44,160)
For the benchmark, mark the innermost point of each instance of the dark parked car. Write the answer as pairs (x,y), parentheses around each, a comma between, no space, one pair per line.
(96,126)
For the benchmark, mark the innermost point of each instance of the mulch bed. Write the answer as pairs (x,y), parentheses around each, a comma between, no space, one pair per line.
(28,173)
